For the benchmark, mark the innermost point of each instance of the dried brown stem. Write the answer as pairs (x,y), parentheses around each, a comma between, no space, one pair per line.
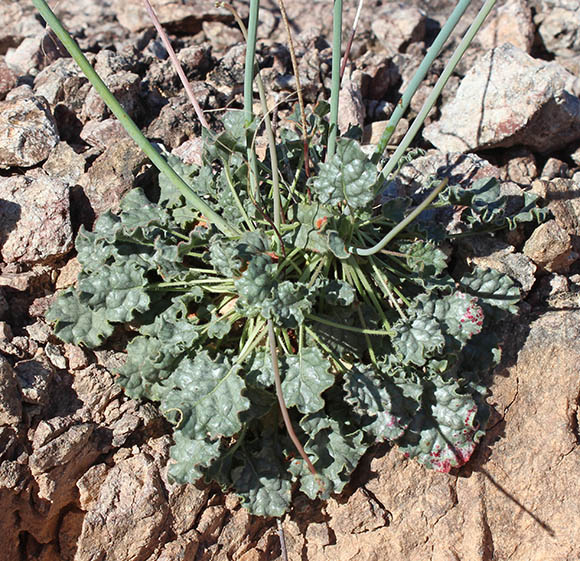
(282,403)
(176,64)
(350,39)
(298,86)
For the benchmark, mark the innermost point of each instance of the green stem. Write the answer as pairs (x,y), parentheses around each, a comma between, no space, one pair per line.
(331,323)
(420,74)
(232,188)
(440,84)
(254,339)
(370,292)
(268,124)
(326,349)
(289,261)
(370,348)
(335,87)
(401,225)
(383,284)
(127,122)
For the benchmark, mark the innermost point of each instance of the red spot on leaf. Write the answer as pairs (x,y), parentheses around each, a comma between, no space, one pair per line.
(321,222)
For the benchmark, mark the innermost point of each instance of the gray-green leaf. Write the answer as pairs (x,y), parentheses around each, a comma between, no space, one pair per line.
(306,376)
(348,176)
(207,397)
(78,323)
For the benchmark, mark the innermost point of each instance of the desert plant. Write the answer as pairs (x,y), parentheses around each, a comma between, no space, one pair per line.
(243,283)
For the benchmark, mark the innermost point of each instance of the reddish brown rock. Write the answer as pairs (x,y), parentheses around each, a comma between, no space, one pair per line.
(101,134)
(28,131)
(8,79)
(62,81)
(397,25)
(34,211)
(128,519)
(10,395)
(510,23)
(35,53)
(175,15)
(509,98)
(124,86)
(112,175)
(550,247)
(512,502)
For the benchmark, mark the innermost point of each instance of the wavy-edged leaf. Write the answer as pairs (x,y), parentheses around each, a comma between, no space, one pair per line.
(445,432)
(259,371)
(256,284)
(417,338)
(231,257)
(335,447)
(173,326)
(107,227)
(139,213)
(459,314)
(218,327)
(119,289)
(306,377)
(190,456)
(336,292)
(93,252)
(207,397)
(337,245)
(262,482)
(147,369)
(348,176)
(492,288)
(424,257)
(78,323)
(486,202)
(170,196)
(376,397)
(313,219)
(289,303)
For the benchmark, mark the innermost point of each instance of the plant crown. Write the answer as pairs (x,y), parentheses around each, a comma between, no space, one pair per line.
(386,347)
(393,346)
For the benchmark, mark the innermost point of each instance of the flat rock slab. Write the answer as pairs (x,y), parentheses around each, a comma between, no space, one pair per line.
(35,218)
(509,98)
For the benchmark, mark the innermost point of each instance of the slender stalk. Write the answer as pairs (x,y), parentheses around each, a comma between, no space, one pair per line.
(350,39)
(298,86)
(249,90)
(282,539)
(331,323)
(381,280)
(282,403)
(401,225)
(232,188)
(370,292)
(269,132)
(440,84)
(420,74)
(126,121)
(338,363)
(368,341)
(178,68)
(335,87)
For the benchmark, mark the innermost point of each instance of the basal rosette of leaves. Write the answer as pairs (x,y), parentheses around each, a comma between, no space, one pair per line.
(387,347)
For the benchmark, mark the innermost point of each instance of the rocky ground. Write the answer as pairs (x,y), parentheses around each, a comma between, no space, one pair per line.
(82,468)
